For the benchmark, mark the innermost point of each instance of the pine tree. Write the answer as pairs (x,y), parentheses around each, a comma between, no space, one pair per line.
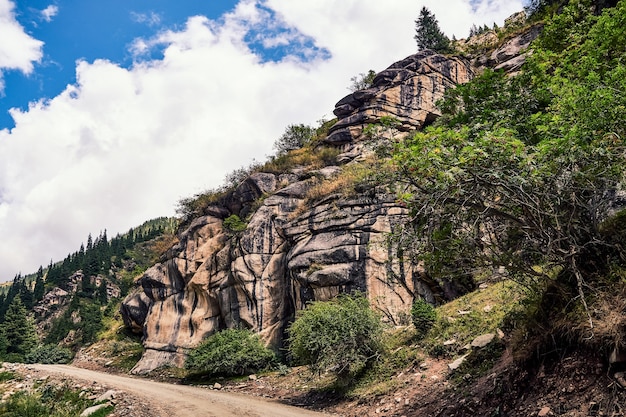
(38,291)
(428,35)
(18,329)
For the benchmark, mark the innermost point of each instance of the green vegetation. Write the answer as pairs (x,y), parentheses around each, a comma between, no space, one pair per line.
(49,354)
(230,352)
(295,137)
(428,35)
(423,316)
(341,336)
(362,81)
(519,172)
(17,333)
(51,401)
(234,224)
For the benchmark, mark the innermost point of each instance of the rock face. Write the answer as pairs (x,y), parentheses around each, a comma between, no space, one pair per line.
(407,91)
(215,279)
(294,249)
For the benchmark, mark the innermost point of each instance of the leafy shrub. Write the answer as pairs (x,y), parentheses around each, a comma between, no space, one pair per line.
(24,405)
(230,352)
(234,224)
(423,315)
(49,354)
(295,137)
(362,81)
(341,336)
(7,376)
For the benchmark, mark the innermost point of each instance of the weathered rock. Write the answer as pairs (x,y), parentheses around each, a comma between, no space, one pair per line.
(407,91)
(213,279)
(290,254)
(512,54)
(93,410)
(483,340)
(458,362)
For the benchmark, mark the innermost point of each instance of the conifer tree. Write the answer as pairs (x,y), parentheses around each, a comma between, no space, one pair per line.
(38,291)
(18,329)
(428,35)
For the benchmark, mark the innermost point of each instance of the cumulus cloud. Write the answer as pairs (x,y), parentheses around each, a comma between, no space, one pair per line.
(49,12)
(123,145)
(18,50)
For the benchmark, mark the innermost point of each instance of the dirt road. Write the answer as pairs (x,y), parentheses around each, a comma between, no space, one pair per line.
(184,401)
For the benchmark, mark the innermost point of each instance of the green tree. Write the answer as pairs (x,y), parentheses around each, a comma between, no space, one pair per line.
(39,289)
(295,137)
(487,190)
(362,81)
(19,330)
(428,35)
(342,335)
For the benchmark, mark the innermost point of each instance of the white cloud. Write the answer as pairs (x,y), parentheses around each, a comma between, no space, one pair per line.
(49,12)
(149,18)
(123,145)
(18,51)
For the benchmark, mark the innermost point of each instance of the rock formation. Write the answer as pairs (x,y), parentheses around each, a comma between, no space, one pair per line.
(294,249)
(406,91)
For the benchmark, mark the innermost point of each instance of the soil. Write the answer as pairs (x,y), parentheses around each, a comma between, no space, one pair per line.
(576,384)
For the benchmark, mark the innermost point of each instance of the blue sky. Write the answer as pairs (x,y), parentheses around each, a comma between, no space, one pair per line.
(111,112)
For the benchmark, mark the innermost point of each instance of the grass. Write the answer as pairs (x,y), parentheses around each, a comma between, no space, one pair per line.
(307,157)
(51,401)
(479,312)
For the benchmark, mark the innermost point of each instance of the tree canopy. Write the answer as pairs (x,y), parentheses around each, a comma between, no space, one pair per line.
(522,172)
(428,35)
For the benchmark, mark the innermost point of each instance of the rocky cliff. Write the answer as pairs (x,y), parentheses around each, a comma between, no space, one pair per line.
(294,249)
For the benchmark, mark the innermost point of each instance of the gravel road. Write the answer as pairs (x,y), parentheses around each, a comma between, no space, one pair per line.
(182,400)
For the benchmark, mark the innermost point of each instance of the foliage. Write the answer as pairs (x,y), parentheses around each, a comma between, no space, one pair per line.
(520,171)
(362,81)
(230,352)
(82,316)
(18,330)
(428,35)
(342,336)
(234,224)
(51,401)
(295,137)
(49,354)
(423,315)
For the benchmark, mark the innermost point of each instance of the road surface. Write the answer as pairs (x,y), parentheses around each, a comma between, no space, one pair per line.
(185,401)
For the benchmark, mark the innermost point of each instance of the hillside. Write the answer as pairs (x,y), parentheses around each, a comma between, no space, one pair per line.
(473,199)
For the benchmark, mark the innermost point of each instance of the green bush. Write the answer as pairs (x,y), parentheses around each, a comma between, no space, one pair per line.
(234,224)
(49,354)
(24,405)
(423,315)
(342,335)
(230,352)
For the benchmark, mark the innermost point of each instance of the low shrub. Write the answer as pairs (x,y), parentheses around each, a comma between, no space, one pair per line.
(423,315)
(49,354)
(341,336)
(230,352)
(234,224)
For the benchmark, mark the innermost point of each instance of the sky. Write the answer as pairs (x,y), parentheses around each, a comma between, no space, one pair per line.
(111,112)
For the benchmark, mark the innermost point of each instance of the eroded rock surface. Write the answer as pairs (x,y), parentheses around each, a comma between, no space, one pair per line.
(406,91)
(291,254)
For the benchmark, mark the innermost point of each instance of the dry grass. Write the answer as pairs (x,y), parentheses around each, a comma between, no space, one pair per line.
(307,158)
(344,184)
